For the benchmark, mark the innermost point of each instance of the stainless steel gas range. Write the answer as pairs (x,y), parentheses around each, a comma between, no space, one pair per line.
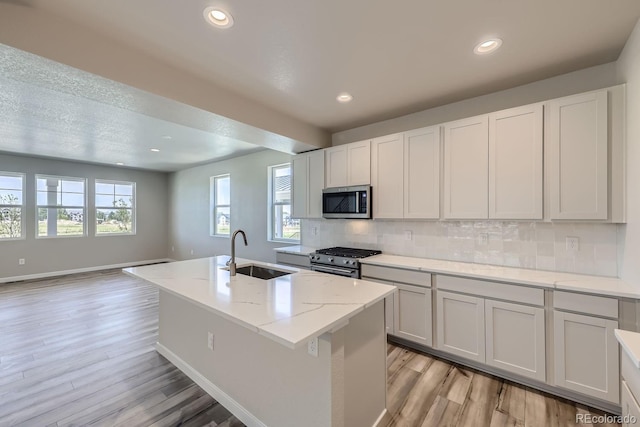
(340,261)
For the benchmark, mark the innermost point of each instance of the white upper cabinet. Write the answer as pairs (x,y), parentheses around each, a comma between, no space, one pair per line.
(308,182)
(422,173)
(405,174)
(387,174)
(515,163)
(466,171)
(578,159)
(348,164)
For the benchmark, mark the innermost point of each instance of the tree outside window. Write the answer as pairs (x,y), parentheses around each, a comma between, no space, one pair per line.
(11,205)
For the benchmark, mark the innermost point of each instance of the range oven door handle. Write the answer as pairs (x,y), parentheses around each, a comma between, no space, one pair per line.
(333,270)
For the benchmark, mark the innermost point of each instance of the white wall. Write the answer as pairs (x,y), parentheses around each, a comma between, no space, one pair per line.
(70,253)
(567,84)
(628,67)
(189,208)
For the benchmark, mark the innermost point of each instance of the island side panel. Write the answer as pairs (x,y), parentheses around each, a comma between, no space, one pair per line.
(365,366)
(277,385)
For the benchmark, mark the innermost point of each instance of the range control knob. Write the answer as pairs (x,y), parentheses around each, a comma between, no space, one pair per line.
(344,261)
(352,262)
(330,259)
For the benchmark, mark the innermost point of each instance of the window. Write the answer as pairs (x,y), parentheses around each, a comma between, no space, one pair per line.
(281,226)
(115,207)
(60,204)
(220,205)
(11,205)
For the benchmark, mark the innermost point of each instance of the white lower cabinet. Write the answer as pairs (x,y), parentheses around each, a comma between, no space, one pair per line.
(515,338)
(413,313)
(630,407)
(460,325)
(586,355)
(389,312)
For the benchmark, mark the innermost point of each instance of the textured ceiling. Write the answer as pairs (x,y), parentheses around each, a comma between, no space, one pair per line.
(394,57)
(291,57)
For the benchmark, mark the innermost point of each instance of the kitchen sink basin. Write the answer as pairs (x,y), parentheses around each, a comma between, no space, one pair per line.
(261,272)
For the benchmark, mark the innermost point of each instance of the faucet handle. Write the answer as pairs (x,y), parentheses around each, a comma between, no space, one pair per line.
(228,262)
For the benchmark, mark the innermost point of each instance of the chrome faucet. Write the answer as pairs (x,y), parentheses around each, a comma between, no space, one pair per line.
(232,261)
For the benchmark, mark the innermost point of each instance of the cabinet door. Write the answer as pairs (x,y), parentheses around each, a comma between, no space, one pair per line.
(389,313)
(335,166)
(460,325)
(466,168)
(413,313)
(315,184)
(586,355)
(300,172)
(630,407)
(578,140)
(422,173)
(515,163)
(515,338)
(387,161)
(359,163)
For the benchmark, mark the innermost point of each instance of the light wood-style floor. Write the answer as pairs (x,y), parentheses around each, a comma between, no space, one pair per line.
(79,350)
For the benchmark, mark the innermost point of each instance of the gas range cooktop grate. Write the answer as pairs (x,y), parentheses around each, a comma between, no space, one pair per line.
(348,252)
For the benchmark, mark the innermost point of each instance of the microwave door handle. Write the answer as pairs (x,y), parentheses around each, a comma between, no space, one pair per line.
(357,202)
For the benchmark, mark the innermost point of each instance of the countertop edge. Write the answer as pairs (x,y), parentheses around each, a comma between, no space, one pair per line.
(561,281)
(626,340)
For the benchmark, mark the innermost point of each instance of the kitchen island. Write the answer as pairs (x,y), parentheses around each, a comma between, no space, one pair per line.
(250,342)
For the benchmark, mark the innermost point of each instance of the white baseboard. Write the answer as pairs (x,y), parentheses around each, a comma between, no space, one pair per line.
(80,270)
(223,398)
(382,414)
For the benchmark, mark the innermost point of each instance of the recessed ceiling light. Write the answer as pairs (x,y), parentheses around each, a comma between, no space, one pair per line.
(155,150)
(166,137)
(344,97)
(120,164)
(487,46)
(218,17)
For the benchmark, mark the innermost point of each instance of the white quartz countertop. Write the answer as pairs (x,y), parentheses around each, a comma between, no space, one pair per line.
(289,309)
(630,343)
(609,286)
(296,250)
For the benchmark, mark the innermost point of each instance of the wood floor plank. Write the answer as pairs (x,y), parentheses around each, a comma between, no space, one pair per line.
(424,393)
(512,400)
(443,413)
(482,400)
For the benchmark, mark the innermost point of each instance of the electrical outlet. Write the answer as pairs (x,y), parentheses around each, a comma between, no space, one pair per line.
(312,347)
(173,249)
(191,251)
(21,261)
(573,244)
(210,340)
(407,235)
(314,231)
(483,239)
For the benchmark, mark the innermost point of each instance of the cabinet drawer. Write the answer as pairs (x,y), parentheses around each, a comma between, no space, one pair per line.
(588,304)
(290,259)
(412,277)
(503,291)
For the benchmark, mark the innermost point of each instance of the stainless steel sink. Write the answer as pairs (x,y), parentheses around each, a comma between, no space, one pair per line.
(261,272)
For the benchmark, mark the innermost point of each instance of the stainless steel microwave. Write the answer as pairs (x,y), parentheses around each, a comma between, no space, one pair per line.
(347,202)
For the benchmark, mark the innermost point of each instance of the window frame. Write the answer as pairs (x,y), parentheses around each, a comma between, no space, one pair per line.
(214,205)
(133,209)
(22,206)
(84,207)
(271,215)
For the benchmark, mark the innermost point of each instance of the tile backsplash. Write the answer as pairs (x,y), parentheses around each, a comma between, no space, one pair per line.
(535,245)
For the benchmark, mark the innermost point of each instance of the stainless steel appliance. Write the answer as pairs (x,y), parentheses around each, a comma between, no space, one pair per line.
(340,261)
(347,202)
